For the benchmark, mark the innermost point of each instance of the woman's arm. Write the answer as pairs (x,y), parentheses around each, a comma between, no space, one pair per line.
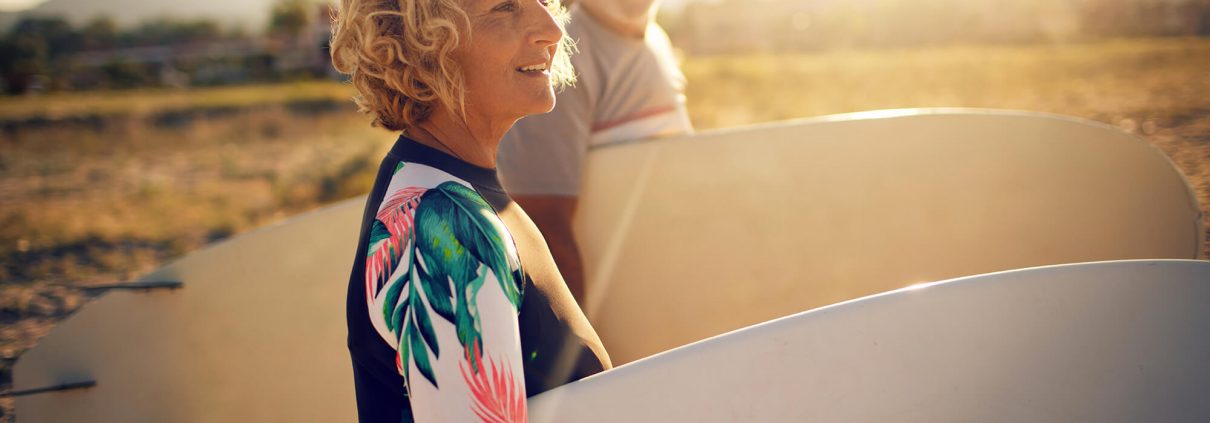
(448,303)
(553,215)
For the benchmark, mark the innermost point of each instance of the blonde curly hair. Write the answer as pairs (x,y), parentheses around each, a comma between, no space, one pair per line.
(398,54)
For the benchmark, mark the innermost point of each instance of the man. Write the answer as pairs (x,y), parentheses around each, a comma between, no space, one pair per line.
(629,88)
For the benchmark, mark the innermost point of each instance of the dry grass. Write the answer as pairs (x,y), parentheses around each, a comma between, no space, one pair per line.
(82,206)
(106,202)
(148,101)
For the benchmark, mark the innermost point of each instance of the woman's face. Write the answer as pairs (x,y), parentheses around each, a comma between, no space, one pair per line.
(507,60)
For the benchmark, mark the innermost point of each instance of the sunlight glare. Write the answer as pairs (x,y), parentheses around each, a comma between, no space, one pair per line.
(918,286)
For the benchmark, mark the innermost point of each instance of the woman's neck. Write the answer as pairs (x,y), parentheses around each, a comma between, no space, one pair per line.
(471,143)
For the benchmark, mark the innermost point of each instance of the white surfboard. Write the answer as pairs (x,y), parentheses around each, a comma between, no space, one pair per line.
(257,332)
(1100,342)
(688,238)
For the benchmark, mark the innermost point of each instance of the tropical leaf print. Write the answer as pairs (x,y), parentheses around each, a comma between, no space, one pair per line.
(497,395)
(475,226)
(459,239)
(415,329)
(391,232)
(447,239)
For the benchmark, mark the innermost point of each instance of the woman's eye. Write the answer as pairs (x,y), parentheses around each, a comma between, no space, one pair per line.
(507,6)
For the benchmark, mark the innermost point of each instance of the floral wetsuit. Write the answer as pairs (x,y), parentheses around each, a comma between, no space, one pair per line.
(456,311)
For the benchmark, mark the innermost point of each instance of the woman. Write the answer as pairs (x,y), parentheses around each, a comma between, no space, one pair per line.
(456,311)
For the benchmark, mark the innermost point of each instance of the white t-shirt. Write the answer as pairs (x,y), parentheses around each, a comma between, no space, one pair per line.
(627,89)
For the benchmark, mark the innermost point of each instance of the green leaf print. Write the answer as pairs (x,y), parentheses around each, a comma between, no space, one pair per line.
(439,295)
(425,325)
(417,329)
(378,234)
(459,239)
(391,306)
(419,355)
(455,221)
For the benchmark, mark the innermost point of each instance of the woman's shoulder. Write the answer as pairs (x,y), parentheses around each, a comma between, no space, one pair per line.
(440,271)
(432,205)
(426,197)
(429,214)
(411,175)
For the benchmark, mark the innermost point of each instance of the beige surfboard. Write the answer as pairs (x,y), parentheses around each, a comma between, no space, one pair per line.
(688,238)
(256,334)
(684,239)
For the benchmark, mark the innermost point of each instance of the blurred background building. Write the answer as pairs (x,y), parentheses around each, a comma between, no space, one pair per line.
(54,47)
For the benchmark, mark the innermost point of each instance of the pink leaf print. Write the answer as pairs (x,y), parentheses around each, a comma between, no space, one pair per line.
(498,398)
(396,213)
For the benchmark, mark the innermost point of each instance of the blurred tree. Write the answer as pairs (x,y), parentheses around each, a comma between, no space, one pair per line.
(125,74)
(20,60)
(167,31)
(100,33)
(288,18)
(35,48)
(53,36)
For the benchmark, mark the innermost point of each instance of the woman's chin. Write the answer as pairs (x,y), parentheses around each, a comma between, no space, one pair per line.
(541,105)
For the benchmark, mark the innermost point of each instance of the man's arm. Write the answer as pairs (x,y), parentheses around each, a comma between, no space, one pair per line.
(553,216)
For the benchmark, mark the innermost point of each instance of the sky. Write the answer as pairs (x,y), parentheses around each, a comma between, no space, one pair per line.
(16,5)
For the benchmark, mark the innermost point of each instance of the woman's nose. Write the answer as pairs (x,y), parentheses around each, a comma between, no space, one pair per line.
(547,31)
